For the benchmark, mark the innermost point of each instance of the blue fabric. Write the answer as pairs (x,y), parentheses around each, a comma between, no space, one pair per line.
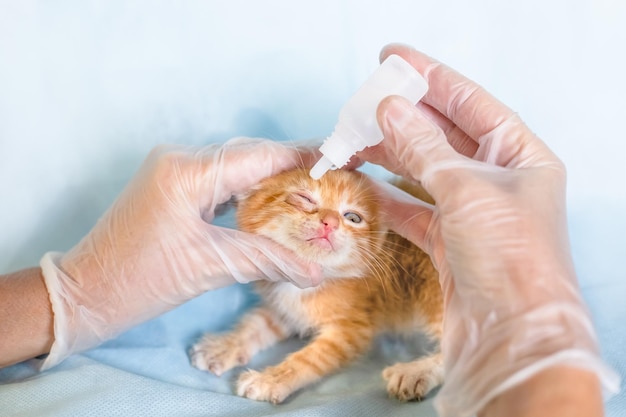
(146,372)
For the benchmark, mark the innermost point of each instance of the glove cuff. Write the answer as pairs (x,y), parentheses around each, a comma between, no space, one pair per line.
(512,351)
(72,333)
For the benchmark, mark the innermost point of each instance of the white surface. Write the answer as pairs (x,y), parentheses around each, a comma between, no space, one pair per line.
(87,88)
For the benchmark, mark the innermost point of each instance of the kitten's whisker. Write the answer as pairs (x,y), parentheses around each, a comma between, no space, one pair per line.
(381,279)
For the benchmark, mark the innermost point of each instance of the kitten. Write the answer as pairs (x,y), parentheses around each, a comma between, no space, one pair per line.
(376,282)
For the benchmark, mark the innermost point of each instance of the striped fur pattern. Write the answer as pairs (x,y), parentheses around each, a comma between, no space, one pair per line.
(376,282)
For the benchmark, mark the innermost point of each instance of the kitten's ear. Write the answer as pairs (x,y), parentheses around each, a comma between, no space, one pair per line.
(244,195)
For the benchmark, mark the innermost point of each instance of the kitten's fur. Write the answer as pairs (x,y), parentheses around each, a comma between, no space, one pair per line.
(378,281)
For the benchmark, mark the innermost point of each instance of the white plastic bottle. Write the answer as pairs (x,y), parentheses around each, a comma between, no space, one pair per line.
(357,126)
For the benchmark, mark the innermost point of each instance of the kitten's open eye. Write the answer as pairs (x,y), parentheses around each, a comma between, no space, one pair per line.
(353,217)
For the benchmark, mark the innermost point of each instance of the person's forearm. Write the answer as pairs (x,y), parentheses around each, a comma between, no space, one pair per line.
(26,319)
(556,391)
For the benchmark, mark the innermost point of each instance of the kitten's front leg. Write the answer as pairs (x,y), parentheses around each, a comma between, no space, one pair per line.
(256,331)
(413,380)
(333,348)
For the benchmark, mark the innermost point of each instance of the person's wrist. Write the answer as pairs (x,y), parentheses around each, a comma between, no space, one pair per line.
(557,390)
(27,316)
(501,349)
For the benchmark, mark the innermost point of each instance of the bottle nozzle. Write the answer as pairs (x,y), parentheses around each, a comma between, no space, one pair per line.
(357,126)
(320,168)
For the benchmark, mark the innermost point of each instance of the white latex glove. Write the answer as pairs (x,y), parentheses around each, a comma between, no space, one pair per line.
(497,234)
(155,247)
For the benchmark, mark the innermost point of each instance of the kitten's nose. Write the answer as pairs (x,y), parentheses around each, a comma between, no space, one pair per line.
(330,220)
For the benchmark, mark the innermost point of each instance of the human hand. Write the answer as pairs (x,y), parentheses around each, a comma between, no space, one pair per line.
(497,234)
(155,247)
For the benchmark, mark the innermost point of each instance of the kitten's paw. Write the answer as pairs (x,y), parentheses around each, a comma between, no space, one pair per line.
(218,354)
(263,386)
(413,380)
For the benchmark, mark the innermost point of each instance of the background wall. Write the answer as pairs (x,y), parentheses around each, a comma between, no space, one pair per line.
(87,88)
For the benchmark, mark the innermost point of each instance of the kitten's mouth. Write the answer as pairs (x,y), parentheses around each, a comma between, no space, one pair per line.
(321,242)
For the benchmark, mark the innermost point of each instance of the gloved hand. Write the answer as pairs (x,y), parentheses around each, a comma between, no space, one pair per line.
(155,249)
(497,234)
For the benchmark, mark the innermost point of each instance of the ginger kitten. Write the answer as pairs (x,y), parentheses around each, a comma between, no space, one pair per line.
(376,282)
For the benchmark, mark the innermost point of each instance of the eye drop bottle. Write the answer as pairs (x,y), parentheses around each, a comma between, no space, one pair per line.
(357,126)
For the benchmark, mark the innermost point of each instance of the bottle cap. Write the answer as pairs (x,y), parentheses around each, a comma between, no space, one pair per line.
(357,126)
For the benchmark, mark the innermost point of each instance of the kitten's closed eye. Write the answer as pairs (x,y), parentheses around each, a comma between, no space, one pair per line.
(375,282)
(302,201)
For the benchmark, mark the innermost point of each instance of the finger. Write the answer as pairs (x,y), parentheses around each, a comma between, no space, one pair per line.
(263,158)
(457,138)
(405,214)
(240,163)
(267,158)
(414,147)
(461,100)
(249,257)
(502,136)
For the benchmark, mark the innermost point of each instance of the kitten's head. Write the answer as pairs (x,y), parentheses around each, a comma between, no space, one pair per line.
(333,221)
